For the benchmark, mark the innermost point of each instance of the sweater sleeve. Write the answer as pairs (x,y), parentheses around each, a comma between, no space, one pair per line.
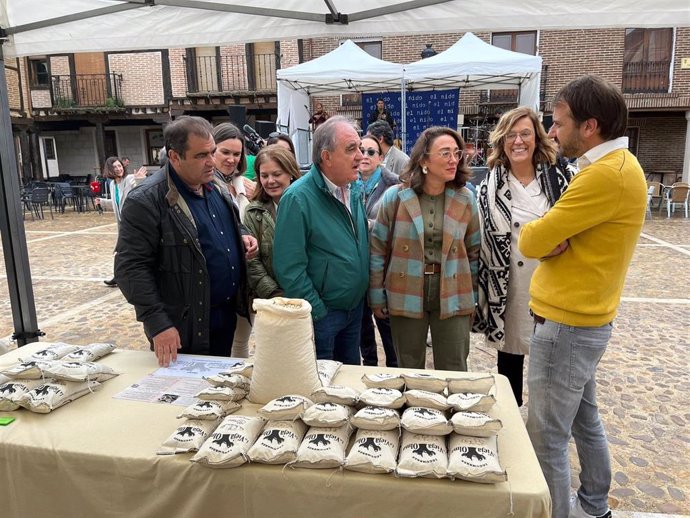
(472,243)
(290,259)
(378,248)
(592,197)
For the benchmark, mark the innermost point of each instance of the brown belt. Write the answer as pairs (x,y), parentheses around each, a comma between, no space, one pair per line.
(430,269)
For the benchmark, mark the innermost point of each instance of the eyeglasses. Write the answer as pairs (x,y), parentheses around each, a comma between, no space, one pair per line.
(525,136)
(446,154)
(369,151)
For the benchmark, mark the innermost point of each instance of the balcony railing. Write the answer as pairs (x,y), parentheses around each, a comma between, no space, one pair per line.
(232,73)
(646,77)
(508,97)
(87,91)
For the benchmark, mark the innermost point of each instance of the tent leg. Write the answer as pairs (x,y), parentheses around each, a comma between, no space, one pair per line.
(12,229)
(403,113)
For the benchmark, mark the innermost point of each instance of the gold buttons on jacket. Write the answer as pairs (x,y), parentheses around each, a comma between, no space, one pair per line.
(405,248)
(455,250)
(402,274)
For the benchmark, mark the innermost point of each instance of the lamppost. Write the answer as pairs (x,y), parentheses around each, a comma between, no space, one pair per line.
(428,51)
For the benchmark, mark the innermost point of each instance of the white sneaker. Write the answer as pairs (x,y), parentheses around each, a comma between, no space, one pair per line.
(576,510)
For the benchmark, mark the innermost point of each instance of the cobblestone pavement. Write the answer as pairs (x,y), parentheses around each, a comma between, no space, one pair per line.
(643,378)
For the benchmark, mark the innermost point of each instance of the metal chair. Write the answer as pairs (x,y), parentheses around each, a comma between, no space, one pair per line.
(677,194)
(64,194)
(40,197)
(657,193)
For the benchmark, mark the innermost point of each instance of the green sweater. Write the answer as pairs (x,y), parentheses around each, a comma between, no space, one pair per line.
(601,215)
(320,251)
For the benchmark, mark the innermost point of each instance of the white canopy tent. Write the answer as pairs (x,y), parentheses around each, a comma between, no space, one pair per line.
(473,64)
(39,27)
(346,69)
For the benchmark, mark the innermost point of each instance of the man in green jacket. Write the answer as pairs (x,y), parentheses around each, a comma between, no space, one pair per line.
(321,250)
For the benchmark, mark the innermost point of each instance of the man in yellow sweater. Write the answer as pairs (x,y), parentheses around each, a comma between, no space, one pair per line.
(585,244)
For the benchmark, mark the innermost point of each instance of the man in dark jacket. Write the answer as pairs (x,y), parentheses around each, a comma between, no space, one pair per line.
(181,250)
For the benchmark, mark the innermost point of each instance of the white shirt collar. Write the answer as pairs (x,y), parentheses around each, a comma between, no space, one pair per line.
(333,187)
(600,151)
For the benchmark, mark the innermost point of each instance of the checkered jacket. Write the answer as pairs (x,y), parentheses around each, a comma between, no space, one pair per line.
(401,285)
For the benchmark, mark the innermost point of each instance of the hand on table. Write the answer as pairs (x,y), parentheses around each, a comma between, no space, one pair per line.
(165,345)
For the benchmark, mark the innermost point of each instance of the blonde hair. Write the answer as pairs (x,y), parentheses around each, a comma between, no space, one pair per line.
(545,149)
(284,158)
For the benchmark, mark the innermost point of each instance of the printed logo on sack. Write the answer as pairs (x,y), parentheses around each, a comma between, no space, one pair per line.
(474,456)
(372,446)
(320,440)
(47,354)
(188,433)
(274,436)
(80,352)
(9,388)
(377,411)
(203,405)
(383,391)
(327,407)
(44,391)
(426,413)
(222,440)
(287,402)
(424,453)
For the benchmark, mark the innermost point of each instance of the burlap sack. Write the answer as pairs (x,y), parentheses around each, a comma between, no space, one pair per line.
(427,421)
(327,415)
(221,394)
(12,391)
(475,424)
(31,370)
(426,399)
(223,379)
(278,442)
(53,351)
(462,402)
(323,448)
(376,418)
(327,370)
(335,394)
(90,353)
(55,393)
(243,368)
(383,380)
(424,381)
(476,383)
(209,410)
(475,459)
(422,456)
(384,397)
(228,445)
(79,371)
(285,357)
(188,436)
(374,451)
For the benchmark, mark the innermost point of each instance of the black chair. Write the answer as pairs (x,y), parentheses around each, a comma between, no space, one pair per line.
(64,194)
(40,197)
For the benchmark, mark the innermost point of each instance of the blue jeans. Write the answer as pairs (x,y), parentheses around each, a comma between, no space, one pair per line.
(337,335)
(562,400)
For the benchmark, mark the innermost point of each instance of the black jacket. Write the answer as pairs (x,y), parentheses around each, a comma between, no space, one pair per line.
(159,265)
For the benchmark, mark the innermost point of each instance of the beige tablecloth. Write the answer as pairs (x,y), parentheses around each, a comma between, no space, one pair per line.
(96,458)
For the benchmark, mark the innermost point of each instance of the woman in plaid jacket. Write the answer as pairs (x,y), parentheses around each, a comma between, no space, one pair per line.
(424,254)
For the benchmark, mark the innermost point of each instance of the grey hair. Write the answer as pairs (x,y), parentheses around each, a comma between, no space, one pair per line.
(176,134)
(324,136)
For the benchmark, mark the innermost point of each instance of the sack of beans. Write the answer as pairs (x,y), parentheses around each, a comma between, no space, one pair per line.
(427,421)
(221,394)
(278,442)
(243,368)
(53,394)
(335,394)
(376,418)
(78,371)
(426,399)
(476,424)
(210,410)
(422,456)
(285,357)
(475,459)
(327,370)
(383,380)
(285,408)
(424,381)
(188,436)
(229,443)
(467,402)
(323,447)
(476,383)
(11,391)
(327,415)
(223,379)
(53,351)
(90,353)
(374,451)
(31,370)
(384,397)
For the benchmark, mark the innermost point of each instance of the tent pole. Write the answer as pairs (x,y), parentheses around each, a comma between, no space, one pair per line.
(403,112)
(12,228)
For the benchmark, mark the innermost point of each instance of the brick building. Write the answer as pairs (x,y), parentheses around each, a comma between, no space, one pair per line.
(80,108)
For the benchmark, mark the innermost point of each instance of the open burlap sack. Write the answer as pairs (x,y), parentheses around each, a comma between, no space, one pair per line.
(285,357)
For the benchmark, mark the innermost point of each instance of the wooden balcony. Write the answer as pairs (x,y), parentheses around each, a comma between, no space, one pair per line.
(98,92)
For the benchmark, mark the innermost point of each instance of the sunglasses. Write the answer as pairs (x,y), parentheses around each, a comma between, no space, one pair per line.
(369,151)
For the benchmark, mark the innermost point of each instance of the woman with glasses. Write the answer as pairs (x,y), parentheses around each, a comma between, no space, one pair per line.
(277,169)
(522,184)
(230,161)
(424,254)
(375,180)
